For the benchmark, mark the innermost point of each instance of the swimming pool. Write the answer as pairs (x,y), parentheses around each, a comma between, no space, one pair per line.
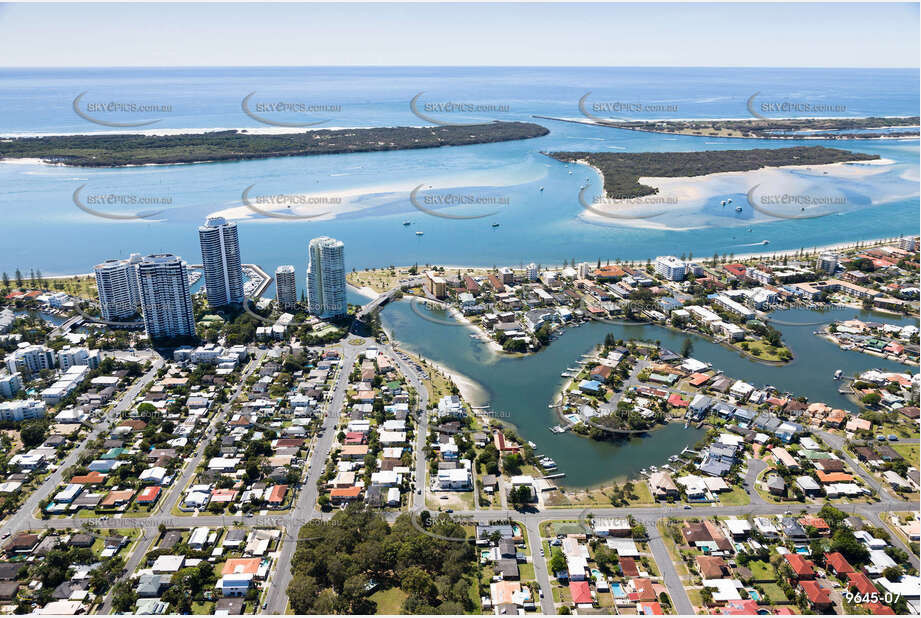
(617,591)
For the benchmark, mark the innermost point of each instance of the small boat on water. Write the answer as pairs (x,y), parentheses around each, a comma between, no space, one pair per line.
(729,201)
(738,209)
(541,189)
(407,223)
(722,202)
(495,225)
(838,374)
(419,233)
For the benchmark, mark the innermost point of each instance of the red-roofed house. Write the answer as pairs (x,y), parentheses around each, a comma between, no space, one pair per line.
(344,494)
(816,522)
(838,564)
(643,588)
(878,609)
(277,494)
(677,401)
(698,379)
(93,478)
(736,270)
(148,495)
(740,607)
(819,598)
(581,593)
(802,568)
(650,609)
(861,583)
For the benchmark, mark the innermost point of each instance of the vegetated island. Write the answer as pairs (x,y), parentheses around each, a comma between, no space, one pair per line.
(622,171)
(117,150)
(781,128)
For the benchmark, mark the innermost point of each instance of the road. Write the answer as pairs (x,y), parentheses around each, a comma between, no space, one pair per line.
(23,518)
(305,506)
(541,573)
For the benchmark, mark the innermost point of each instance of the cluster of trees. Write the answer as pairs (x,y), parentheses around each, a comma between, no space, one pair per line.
(622,171)
(103,150)
(781,127)
(338,565)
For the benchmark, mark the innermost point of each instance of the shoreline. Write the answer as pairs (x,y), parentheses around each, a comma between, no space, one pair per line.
(688,197)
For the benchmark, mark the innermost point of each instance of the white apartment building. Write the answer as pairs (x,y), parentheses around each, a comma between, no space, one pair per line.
(733,307)
(326,278)
(166,303)
(30,358)
(827,262)
(285,286)
(670,267)
(70,356)
(10,385)
(220,258)
(116,281)
(21,409)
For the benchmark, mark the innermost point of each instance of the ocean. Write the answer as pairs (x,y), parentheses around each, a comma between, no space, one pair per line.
(533,199)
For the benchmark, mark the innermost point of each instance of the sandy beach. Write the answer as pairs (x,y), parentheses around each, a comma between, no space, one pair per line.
(684,199)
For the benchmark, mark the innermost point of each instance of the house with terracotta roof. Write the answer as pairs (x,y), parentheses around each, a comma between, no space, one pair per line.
(818,596)
(838,564)
(223,496)
(861,583)
(581,594)
(117,498)
(277,495)
(643,590)
(241,566)
(816,522)
(802,568)
(93,478)
(148,495)
(834,477)
(344,494)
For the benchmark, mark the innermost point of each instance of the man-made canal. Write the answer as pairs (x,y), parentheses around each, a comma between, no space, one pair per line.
(519,389)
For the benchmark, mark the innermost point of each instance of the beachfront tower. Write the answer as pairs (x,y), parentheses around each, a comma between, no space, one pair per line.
(285,287)
(220,258)
(163,281)
(326,278)
(117,283)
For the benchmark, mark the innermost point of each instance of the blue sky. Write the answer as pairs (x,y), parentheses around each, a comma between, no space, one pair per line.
(777,35)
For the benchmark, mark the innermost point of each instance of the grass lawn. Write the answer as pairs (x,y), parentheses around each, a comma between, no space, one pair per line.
(389,601)
(774,591)
(909,452)
(762,570)
(203,609)
(526,570)
(680,567)
(735,497)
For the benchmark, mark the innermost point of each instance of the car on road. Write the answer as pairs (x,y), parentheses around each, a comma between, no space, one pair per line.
(449,510)
(687,507)
(5,535)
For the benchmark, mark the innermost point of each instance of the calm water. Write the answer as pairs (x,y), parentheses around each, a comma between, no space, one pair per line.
(520,389)
(43,229)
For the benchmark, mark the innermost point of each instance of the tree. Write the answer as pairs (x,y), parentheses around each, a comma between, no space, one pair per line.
(32,434)
(687,348)
(557,561)
(302,592)
(123,597)
(871,399)
(844,541)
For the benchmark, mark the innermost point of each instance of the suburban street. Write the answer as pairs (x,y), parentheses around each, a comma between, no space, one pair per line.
(305,508)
